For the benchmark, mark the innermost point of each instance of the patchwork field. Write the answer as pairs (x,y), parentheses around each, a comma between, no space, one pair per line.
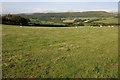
(83,52)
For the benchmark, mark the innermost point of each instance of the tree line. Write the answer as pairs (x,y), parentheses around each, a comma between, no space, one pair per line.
(14,20)
(18,20)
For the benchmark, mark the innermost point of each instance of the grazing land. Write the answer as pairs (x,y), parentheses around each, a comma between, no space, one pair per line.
(83,52)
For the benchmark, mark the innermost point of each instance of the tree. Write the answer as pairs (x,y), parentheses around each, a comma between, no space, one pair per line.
(14,20)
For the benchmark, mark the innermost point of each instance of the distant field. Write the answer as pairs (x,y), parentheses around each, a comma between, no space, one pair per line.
(109,20)
(82,52)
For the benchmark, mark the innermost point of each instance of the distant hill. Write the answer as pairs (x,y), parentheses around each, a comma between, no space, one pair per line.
(56,17)
(70,14)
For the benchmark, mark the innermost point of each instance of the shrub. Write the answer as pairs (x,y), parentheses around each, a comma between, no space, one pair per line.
(94,24)
(14,20)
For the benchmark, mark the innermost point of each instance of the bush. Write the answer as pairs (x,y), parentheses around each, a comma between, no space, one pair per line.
(94,24)
(14,20)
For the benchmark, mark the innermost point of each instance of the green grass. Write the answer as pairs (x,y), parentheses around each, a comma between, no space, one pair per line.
(46,52)
(109,20)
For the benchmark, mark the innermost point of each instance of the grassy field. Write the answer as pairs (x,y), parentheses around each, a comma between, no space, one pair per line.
(83,52)
(109,20)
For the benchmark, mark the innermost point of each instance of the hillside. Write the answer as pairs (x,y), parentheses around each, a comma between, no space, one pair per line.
(69,14)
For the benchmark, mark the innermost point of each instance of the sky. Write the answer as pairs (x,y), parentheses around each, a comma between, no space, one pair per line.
(59,0)
(32,7)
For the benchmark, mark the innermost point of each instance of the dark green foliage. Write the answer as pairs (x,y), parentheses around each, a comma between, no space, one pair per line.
(94,24)
(49,25)
(0,19)
(14,20)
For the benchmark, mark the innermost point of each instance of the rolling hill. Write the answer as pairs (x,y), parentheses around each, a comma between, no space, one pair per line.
(69,14)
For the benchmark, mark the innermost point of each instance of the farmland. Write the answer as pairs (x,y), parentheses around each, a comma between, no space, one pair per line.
(62,52)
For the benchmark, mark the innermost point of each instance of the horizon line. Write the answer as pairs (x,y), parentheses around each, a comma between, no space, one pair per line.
(63,12)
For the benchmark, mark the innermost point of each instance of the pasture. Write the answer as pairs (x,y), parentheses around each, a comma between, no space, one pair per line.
(49,52)
(109,20)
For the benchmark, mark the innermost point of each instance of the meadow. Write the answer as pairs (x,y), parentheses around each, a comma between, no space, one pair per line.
(109,20)
(62,52)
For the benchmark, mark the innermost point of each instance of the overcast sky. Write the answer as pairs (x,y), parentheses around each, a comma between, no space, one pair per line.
(32,7)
